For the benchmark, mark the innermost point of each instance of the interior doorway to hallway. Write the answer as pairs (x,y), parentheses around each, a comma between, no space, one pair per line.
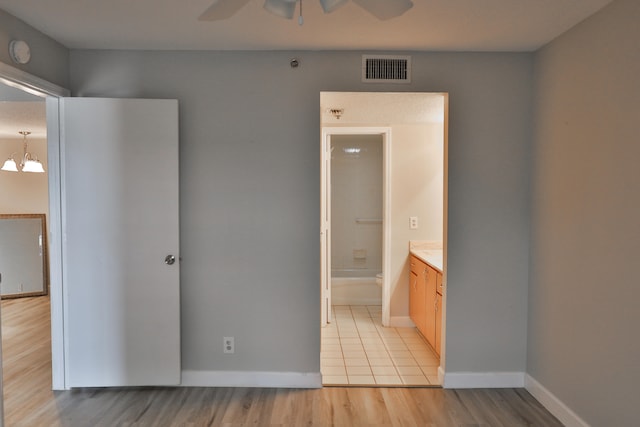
(24,205)
(413,131)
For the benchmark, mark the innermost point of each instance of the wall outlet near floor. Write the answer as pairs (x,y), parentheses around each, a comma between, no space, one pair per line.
(229,345)
(413,222)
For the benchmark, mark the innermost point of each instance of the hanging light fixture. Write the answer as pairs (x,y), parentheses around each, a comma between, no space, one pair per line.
(29,162)
(287,8)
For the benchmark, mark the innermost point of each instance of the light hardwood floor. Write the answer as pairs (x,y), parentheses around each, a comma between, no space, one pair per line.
(30,402)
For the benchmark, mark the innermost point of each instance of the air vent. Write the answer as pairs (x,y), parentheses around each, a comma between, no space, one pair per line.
(386,69)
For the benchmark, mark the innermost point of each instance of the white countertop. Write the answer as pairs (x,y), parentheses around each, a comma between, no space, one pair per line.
(428,251)
(433,257)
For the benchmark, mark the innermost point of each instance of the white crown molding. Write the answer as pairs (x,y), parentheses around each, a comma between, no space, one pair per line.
(14,77)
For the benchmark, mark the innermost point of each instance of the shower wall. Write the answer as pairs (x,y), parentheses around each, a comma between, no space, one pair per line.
(356,205)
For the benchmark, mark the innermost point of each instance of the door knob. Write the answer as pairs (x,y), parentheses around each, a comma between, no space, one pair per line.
(169,259)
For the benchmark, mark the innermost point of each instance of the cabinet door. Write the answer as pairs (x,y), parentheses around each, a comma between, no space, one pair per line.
(430,308)
(414,306)
(438,323)
(417,293)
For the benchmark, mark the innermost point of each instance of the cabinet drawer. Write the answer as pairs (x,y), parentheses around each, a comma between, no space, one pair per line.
(416,265)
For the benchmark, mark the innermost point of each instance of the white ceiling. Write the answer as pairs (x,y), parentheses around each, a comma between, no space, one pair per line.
(18,116)
(20,110)
(440,25)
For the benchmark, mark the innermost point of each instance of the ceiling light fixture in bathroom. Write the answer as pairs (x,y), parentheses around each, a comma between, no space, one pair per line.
(351,150)
(336,112)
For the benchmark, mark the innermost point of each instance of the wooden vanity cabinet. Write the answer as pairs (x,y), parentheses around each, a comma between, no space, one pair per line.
(425,300)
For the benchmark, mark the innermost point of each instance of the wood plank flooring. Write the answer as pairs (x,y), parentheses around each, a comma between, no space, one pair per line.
(30,402)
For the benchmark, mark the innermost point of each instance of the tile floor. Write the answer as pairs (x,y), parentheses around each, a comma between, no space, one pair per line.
(358,350)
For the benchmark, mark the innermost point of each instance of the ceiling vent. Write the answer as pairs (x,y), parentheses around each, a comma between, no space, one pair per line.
(386,69)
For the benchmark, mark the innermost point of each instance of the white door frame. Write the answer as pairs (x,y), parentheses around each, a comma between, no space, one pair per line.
(325,214)
(19,79)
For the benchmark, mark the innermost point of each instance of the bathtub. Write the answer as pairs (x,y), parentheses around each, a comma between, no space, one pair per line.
(347,288)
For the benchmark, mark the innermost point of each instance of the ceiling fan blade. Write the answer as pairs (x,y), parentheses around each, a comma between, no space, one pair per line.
(281,8)
(222,9)
(329,6)
(385,9)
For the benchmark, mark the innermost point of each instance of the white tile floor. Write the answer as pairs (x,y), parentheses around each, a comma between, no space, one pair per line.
(358,350)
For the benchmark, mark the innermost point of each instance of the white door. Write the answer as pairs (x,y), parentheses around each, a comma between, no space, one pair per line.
(120,221)
(325,228)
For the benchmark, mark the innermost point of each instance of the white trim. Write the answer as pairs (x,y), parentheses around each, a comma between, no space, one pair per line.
(64,321)
(325,229)
(55,245)
(29,83)
(441,373)
(553,404)
(385,131)
(483,380)
(401,322)
(14,77)
(251,379)
(386,238)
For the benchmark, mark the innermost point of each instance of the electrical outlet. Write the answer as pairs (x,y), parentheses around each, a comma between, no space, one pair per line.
(413,222)
(229,345)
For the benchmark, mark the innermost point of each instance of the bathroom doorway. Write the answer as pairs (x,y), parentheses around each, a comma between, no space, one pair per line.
(364,342)
(356,219)
(354,207)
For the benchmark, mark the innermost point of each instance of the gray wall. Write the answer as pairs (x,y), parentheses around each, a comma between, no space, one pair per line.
(249,158)
(584,293)
(49,59)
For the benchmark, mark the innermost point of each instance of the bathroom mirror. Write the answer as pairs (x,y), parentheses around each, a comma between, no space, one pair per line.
(24,264)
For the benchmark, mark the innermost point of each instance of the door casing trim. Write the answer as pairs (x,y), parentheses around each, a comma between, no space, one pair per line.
(34,85)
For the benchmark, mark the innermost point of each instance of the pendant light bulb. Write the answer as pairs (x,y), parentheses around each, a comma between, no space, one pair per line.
(10,165)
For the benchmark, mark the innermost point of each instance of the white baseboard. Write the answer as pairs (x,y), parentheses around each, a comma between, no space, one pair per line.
(483,380)
(251,379)
(401,322)
(440,375)
(553,404)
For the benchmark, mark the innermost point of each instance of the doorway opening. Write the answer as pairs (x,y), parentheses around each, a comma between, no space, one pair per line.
(356,219)
(411,127)
(24,265)
(22,83)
